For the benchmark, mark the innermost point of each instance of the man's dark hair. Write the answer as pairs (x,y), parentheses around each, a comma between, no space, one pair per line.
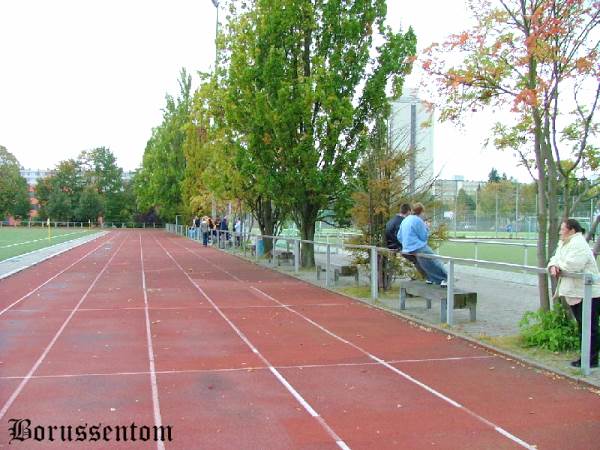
(404,208)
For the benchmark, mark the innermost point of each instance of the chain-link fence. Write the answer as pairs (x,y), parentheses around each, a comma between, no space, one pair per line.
(503,209)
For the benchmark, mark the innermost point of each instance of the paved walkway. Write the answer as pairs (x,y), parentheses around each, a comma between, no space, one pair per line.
(17,263)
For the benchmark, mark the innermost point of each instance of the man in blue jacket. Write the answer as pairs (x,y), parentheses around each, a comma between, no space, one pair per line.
(413,234)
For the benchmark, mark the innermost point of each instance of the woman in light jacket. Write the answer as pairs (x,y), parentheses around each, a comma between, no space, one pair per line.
(574,255)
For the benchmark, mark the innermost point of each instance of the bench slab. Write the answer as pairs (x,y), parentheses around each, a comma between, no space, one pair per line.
(462,299)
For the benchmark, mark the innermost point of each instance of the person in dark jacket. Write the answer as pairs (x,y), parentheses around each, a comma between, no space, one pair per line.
(391,236)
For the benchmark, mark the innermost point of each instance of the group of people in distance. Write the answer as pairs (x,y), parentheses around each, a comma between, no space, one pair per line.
(207,228)
(408,232)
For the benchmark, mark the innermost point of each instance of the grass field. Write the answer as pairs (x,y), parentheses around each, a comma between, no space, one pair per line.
(18,240)
(490,252)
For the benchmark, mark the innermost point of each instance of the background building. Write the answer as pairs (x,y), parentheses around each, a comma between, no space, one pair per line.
(411,127)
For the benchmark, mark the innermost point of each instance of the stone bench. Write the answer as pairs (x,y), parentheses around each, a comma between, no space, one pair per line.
(340,271)
(462,299)
(284,256)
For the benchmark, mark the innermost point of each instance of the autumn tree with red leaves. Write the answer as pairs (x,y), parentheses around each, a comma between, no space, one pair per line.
(537,63)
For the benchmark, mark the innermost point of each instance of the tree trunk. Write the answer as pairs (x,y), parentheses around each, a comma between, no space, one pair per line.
(542,213)
(307,232)
(266,223)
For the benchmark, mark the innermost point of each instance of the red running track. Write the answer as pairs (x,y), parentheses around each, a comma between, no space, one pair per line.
(154,330)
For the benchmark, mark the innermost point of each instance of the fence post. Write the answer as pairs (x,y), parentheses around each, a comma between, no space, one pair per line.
(296,255)
(328,266)
(450,294)
(476,251)
(526,257)
(586,321)
(374,281)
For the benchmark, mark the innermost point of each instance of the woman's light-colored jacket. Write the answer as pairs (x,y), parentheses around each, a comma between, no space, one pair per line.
(574,255)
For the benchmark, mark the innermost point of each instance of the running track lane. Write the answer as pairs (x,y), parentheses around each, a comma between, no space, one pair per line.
(73,380)
(310,371)
(535,408)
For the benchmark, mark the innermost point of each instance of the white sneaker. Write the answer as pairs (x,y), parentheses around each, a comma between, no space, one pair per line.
(428,281)
(444,283)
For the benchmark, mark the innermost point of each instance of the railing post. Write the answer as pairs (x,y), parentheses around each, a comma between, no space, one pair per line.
(586,320)
(273,243)
(374,281)
(450,294)
(526,257)
(476,251)
(297,255)
(328,266)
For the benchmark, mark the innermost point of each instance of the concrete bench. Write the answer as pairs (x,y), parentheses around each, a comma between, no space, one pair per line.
(341,271)
(284,256)
(462,299)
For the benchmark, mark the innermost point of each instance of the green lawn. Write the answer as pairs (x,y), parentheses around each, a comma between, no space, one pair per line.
(18,240)
(490,252)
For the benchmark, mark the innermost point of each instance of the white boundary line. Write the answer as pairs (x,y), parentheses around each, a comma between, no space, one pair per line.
(51,255)
(340,443)
(58,274)
(41,239)
(429,389)
(155,402)
(245,369)
(19,388)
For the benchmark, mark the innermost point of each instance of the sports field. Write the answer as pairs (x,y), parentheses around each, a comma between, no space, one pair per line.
(500,252)
(16,241)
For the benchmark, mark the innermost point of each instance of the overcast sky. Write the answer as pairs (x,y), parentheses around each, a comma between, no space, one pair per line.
(80,74)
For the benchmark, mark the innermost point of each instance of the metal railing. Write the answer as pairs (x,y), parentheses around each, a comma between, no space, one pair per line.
(221,239)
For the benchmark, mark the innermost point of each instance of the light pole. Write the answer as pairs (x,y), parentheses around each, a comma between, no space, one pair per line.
(216,4)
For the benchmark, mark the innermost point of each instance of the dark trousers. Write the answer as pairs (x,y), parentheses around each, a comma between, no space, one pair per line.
(413,259)
(594,345)
(205,238)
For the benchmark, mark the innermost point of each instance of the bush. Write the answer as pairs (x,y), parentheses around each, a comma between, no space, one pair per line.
(552,330)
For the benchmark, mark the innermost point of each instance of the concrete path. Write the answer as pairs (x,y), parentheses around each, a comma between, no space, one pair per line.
(17,263)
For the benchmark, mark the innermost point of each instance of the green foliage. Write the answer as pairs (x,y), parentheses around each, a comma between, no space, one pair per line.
(91,205)
(158,181)
(553,330)
(14,199)
(304,92)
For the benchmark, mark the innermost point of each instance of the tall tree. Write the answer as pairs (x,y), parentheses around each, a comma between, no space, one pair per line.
(304,91)
(59,193)
(540,56)
(101,172)
(158,182)
(14,197)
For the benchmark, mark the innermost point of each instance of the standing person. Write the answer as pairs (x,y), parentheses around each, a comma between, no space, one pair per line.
(237,229)
(224,226)
(391,236)
(413,234)
(204,229)
(197,226)
(573,254)
(211,227)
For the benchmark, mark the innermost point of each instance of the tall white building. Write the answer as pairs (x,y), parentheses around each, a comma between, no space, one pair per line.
(411,127)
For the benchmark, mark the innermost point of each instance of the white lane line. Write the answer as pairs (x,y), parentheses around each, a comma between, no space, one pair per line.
(58,274)
(246,369)
(340,443)
(41,239)
(174,308)
(155,402)
(429,389)
(17,391)
(408,377)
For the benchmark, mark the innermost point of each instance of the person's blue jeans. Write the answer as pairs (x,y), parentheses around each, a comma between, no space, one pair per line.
(433,268)
(205,238)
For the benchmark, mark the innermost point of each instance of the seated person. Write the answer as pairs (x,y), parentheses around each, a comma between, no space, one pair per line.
(391,236)
(413,235)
